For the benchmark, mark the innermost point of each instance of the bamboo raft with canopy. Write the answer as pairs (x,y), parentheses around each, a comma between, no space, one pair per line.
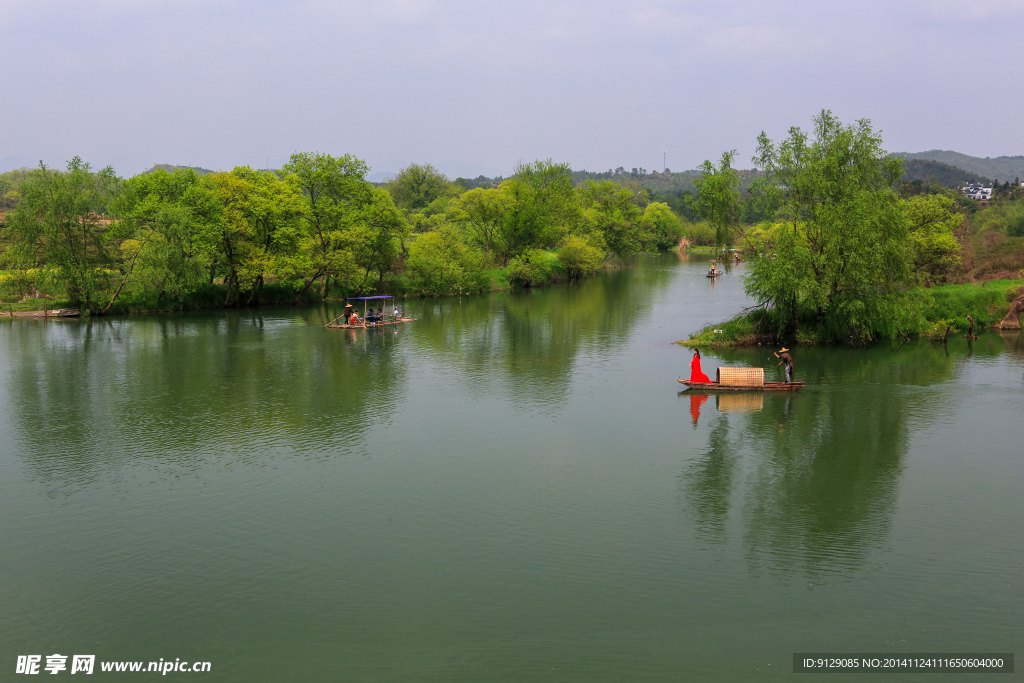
(363,323)
(741,379)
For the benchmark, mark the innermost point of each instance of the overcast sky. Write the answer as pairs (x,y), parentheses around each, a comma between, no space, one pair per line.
(474,87)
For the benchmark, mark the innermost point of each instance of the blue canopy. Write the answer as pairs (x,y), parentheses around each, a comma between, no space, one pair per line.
(367,298)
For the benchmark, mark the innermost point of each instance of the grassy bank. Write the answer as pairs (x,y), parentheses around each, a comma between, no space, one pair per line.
(940,307)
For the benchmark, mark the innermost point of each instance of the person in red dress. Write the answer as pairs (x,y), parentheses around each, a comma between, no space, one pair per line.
(695,372)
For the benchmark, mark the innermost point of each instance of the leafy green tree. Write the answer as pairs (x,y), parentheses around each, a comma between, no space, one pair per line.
(9,183)
(170,219)
(718,198)
(438,261)
(335,192)
(273,208)
(60,224)
(482,210)
(258,228)
(934,220)
(1015,220)
(612,210)
(662,227)
(844,255)
(542,207)
(416,186)
(579,257)
(531,268)
(374,239)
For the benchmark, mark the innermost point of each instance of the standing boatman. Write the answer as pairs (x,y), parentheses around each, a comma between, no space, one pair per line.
(788,360)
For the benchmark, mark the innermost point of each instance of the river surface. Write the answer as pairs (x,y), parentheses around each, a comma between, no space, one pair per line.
(512,487)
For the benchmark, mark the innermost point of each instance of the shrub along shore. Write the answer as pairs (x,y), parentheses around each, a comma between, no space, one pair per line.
(940,311)
(546,269)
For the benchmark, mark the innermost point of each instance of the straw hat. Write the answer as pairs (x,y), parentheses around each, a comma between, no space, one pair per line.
(783,349)
(348,305)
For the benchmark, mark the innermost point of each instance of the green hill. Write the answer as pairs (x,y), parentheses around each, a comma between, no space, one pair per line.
(170,168)
(945,175)
(999,168)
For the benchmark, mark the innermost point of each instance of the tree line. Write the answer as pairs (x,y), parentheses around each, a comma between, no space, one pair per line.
(316,228)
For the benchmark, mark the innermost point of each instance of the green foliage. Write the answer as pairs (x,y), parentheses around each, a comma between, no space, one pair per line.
(416,186)
(170,226)
(376,237)
(439,263)
(742,330)
(1015,220)
(542,206)
(482,211)
(699,234)
(534,267)
(579,258)
(10,181)
(934,220)
(335,194)
(843,257)
(986,302)
(177,237)
(718,198)
(60,224)
(613,211)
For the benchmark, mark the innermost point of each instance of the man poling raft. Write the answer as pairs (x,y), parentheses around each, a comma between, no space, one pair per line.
(788,360)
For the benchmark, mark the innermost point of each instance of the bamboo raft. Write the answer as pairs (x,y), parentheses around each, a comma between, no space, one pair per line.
(741,379)
(365,325)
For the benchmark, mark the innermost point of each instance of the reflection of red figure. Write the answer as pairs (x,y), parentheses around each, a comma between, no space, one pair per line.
(695,372)
(696,401)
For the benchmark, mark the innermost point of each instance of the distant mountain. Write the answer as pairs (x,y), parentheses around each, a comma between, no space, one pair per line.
(946,175)
(170,168)
(999,168)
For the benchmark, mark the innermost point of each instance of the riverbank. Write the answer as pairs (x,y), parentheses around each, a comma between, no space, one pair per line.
(537,268)
(941,310)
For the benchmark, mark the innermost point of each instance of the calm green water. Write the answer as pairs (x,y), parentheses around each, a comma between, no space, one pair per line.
(510,488)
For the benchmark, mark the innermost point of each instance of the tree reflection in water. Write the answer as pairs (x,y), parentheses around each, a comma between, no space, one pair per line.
(816,473)
(95,395)
(709,481)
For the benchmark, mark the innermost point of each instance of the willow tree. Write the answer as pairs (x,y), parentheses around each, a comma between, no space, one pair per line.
(841,257)
(61,227)
(718,198)
(541,203)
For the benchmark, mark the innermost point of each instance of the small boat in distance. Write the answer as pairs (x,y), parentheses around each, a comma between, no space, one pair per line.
(714,271)
(741,379)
